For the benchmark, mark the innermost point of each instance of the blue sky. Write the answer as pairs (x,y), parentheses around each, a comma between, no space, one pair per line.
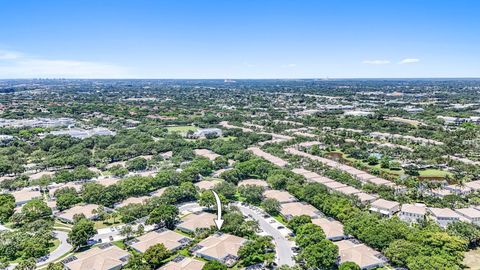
(239,39)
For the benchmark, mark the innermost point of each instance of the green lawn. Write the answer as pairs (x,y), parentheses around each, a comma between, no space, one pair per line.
(229,138)
(280,219)
(55,245)
(424,173)
(120,244)
(434,173)
(107,223)
(61,224)
(182,129)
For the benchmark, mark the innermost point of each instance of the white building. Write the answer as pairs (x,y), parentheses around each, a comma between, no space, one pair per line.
(385,207)
(443,216)
(470,214)
(412,212)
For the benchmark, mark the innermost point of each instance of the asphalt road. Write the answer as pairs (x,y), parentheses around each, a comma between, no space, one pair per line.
(61,250)
(283,246)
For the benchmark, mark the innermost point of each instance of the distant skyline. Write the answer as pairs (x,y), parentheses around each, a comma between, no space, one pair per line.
(239,39)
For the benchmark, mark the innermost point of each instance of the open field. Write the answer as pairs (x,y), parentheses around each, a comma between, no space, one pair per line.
(182,129)
(434,173)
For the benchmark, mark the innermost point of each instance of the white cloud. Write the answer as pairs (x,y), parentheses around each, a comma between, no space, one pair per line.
(246,64)
(376,62)
(18,65)
(409,61)
(288,65)
(8,55)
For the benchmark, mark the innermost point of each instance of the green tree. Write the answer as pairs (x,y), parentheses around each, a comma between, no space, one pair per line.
(137,262)
(309,234)
(271,206)
(126,231)
(236,224)
(431,262)
(155,254)
(296,222)
(467,231)
(36,209)
(55,266)
(260,250)
(277,181)
(137,164)
(349,266)
(164,214)
(207,199)
(400,251)
(82,230)
(28,264)
(320,255)
(7,206)
(252,194)
(214,265)
(227,189)
(66,198)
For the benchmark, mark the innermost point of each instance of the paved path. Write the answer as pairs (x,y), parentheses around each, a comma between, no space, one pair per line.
(61,250)
(283,246)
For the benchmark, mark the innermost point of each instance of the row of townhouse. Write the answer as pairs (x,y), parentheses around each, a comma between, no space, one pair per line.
(406,212)
(356,173)
(349,249)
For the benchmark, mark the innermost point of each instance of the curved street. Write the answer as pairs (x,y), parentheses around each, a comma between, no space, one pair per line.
(61,250)
(283,246)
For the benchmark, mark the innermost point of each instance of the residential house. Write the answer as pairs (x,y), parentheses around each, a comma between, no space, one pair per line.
(333,229)
(281,196)
(183,263)
(171,240)
(365,198)
(88,210)
(220,247)
(253,182)
(443,216)
(103,257)
(25,195)
(294,209)
(207,185)
(412,213)
(206,153)
(196,221)
(385,207)
(132,200)
(470,214)
(364,256)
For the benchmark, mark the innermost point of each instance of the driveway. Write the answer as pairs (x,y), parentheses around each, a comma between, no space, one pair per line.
(110,234)
(270,226)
